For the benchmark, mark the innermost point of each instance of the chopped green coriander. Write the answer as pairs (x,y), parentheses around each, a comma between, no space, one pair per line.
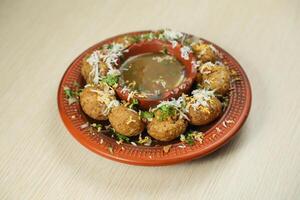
(111,80)
(187,42)
(148,36)
(191,137)
(134,39)
(98,127)
(165,112)
(133,103)
(68,92)
(71,95)
(121,137)
(147,115)
(109,46)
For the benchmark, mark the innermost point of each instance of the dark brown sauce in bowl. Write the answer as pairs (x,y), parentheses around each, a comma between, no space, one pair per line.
(154,71)
(152,74)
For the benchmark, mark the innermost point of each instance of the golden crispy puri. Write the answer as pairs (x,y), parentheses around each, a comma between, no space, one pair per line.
(215,77)
(125,121)
(87,70)
(96,101)
(205,52)
(202,115)
(167,129)
(199,77)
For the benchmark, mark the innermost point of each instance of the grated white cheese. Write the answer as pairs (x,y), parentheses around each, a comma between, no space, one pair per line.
(201,96)
(206,68)
(110,105)
(174,43)
(85,125)
(172,35)
(112,54)
(131,95)
(125,89)
(133,143)
(185,51)
(114,72)
(130,120)
(94,60)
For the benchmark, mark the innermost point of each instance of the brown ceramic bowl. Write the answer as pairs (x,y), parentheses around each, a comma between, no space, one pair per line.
(216,135)
(156,46)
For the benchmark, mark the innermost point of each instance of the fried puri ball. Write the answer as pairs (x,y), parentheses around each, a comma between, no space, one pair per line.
(125,121)
(215,77)
(167,129)
(87,70)
(199,77)
(94,101)
(204,114)
(205,52)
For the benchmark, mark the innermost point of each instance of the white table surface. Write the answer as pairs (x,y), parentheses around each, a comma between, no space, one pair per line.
(40,160)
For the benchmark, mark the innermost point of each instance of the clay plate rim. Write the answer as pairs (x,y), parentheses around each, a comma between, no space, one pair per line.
(132,153)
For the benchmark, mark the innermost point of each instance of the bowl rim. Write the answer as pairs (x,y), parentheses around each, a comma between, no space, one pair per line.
(184,156)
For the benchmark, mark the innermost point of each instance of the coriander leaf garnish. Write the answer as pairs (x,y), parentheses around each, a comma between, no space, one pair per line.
(111,80)
(133,103)
(147,115)
(98,127)
(191,137)
(71,95)
(121,137)
(134,39)
(147,36)
(68,92)
(165,112)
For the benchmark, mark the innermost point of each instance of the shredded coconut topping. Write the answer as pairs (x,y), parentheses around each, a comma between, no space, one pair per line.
(112,54)
(172,35)
(114,72)
(200,97)
(130,120)
(185,51)
(94,60)
(131,95)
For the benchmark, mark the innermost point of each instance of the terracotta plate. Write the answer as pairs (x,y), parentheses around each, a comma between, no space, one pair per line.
(218,134)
